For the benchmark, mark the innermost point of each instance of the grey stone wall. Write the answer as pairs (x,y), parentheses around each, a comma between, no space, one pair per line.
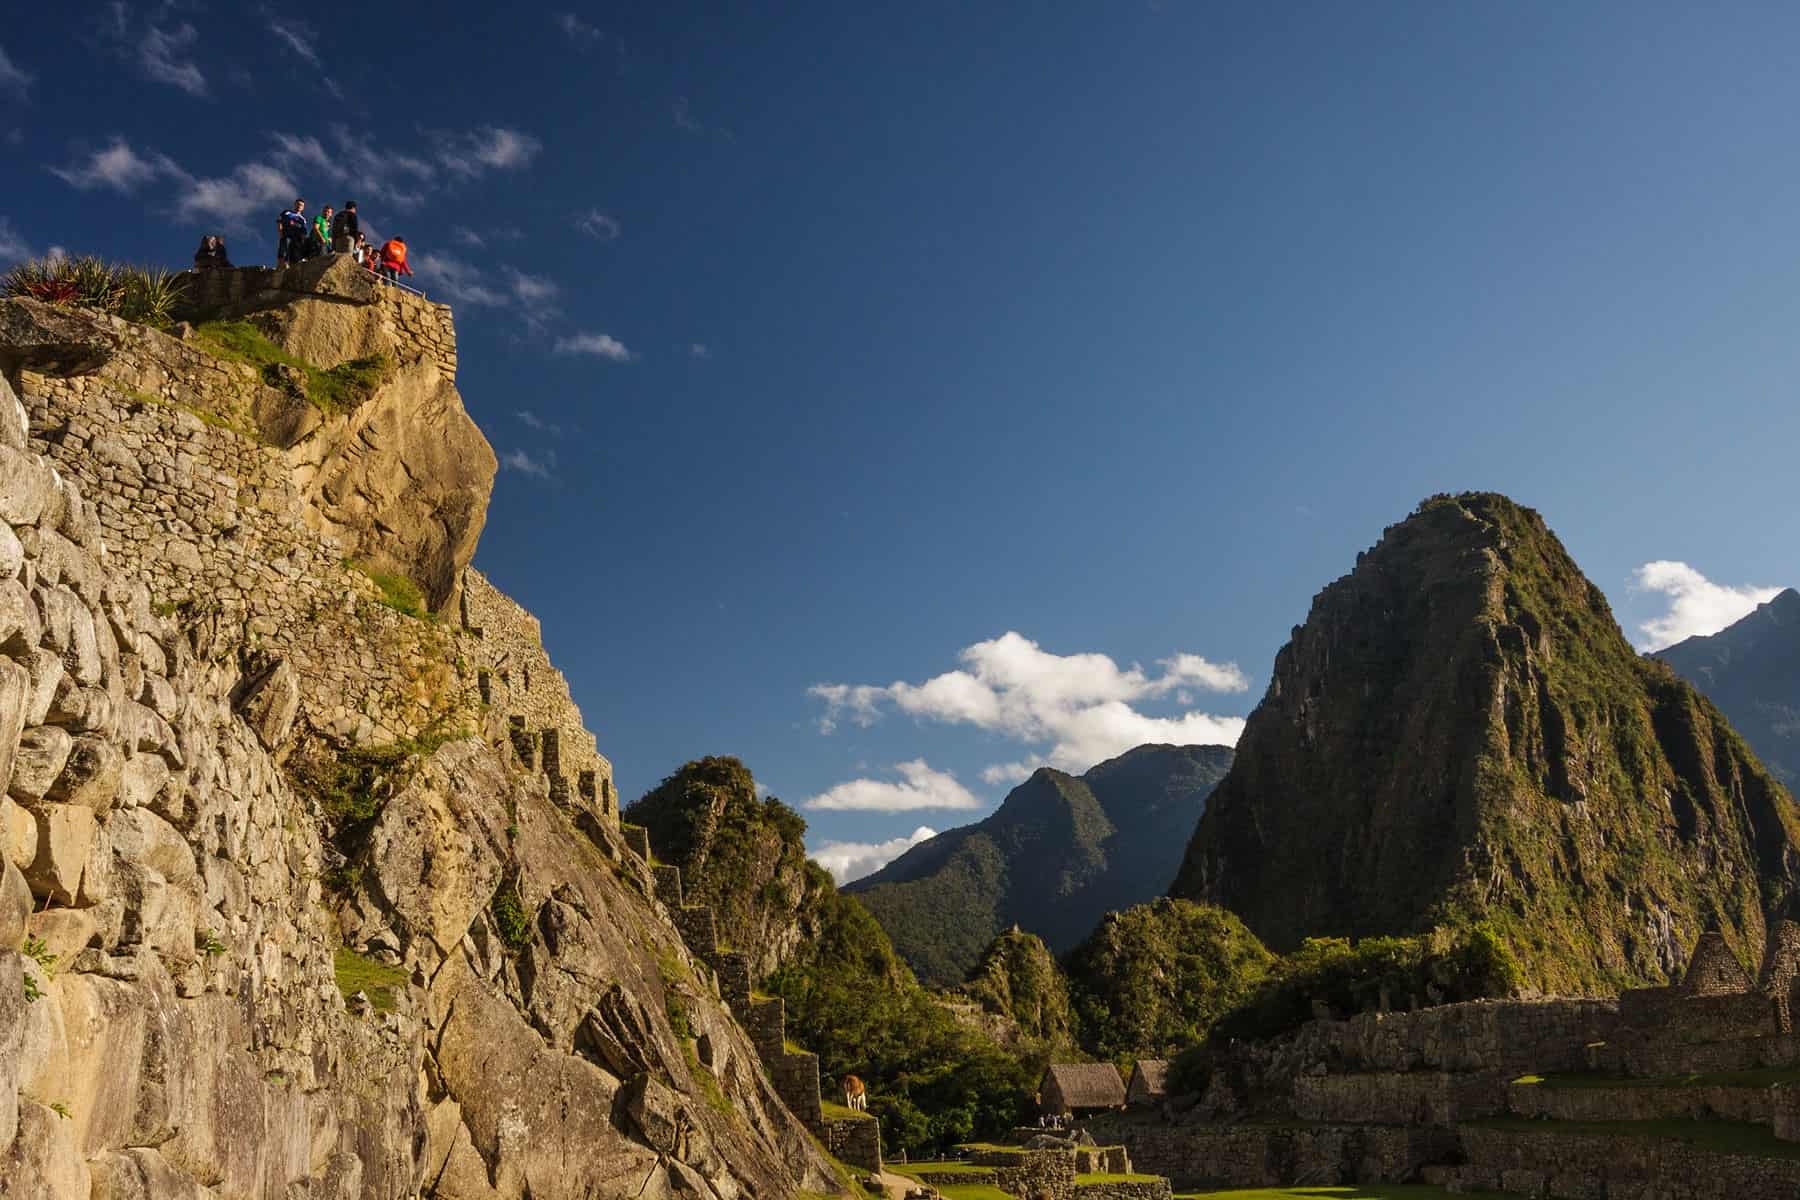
(1028,1172)
(1135,1189)
(1256,1155)
(856,1141)
(1411,1098)
(1595,1167)
(1624,1103)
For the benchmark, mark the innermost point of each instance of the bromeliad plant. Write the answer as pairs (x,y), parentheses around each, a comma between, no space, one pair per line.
(146,295)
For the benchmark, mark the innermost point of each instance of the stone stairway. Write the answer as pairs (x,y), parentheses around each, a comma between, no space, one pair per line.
(795,1073)
(540,750)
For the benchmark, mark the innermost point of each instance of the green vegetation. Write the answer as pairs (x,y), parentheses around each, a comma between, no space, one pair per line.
(336,389)
(38,951)
(741,854)
(971,1190)
(1019,979)
(375,980)
(209,944)
(1058,854)
(1357,1191)
(508,911)
(146,295)
(33,993)
(61,1110)
(352,784)
(1720,1137)
(398,592)
(1156,978)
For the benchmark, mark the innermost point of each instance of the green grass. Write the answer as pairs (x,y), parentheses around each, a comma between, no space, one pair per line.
(1360,1191)
(1757,1077)
(840,1112)
(332,390)
(1720,1137)
(358,974)
(974,1191)
(397,592)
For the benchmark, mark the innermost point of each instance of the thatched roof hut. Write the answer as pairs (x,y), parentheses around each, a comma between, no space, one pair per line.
(1149,1081)
(1081,1087)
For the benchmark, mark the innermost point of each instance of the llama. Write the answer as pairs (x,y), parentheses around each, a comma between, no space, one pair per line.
(856,1096)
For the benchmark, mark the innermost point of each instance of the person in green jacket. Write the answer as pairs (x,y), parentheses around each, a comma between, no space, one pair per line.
(321,238)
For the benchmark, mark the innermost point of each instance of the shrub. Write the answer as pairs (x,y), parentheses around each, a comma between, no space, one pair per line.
(336,389)
(509,916)
(398,592)
(375,980)
(146,295)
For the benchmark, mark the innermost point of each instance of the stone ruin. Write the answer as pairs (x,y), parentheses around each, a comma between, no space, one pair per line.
(1691,1091)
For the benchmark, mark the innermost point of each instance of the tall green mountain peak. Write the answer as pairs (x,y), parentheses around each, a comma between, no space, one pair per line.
(1460,732)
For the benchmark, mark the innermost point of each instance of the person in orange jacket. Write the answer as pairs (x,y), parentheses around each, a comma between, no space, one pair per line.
(393,260)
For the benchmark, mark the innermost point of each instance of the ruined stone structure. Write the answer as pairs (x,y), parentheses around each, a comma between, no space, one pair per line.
(1537,1097)
(795,1073)
(475,996)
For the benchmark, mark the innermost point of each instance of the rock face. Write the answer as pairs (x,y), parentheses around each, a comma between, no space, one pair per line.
(403,478)
(1752,672)
(1058,854)
(220,977)
(1459,731)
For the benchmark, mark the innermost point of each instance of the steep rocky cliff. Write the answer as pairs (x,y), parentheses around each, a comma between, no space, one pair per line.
(1059,853)
(304,895)
(1752,672)
(1460,731)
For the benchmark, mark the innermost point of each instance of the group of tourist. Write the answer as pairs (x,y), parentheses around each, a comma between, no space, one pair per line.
(1053,1121)
(333,231)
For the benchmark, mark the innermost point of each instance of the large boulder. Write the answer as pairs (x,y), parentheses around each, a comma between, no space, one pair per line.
(51,341)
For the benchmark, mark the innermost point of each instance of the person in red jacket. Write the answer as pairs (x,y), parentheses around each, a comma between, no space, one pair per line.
(393,260)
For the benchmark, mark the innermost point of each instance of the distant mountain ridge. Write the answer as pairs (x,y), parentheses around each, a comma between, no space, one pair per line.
(1459,734)
(1751,670)
(1059,853)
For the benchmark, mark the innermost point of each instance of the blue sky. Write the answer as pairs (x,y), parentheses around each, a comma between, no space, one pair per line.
(1042,360)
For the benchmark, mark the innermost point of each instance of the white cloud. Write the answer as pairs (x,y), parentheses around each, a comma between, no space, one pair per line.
(1697,606)
(852,860)
(461,281)
(298,38)
(525,463)
(118,167)
(919,786)
(1080,704)
(469,237)
(538,423)
(13,246)
(1010,774)
(489,148)
(13,78)
(251,190)
(684,119)
(576,29)
(597,224)
(602,345)
(164,56)
(699,350)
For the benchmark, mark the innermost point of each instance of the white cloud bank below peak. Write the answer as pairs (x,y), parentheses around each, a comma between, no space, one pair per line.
(1081,705)
(919,787)
(1698,607)
(849,861)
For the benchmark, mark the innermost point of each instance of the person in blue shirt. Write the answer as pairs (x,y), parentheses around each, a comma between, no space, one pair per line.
(291,230)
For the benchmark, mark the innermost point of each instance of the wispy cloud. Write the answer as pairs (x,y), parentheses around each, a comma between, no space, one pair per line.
(164,53)
(577,30)
(601,345)
(852,860)
(918,787)
(489,148)
(533,421)
(118,167)
(541,465)
(1079,705)
(13,78)
(249,191)
(597,224)
(1697,605)
(13,246)
(699,350)
(462,281)
(295,36)
(684,116)
(468,237)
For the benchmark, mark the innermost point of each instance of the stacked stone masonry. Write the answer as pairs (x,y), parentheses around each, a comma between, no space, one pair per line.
(794,1073)
(164,442)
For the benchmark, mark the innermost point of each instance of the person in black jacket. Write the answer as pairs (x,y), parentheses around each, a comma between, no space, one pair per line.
(211,254)
(345,229)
